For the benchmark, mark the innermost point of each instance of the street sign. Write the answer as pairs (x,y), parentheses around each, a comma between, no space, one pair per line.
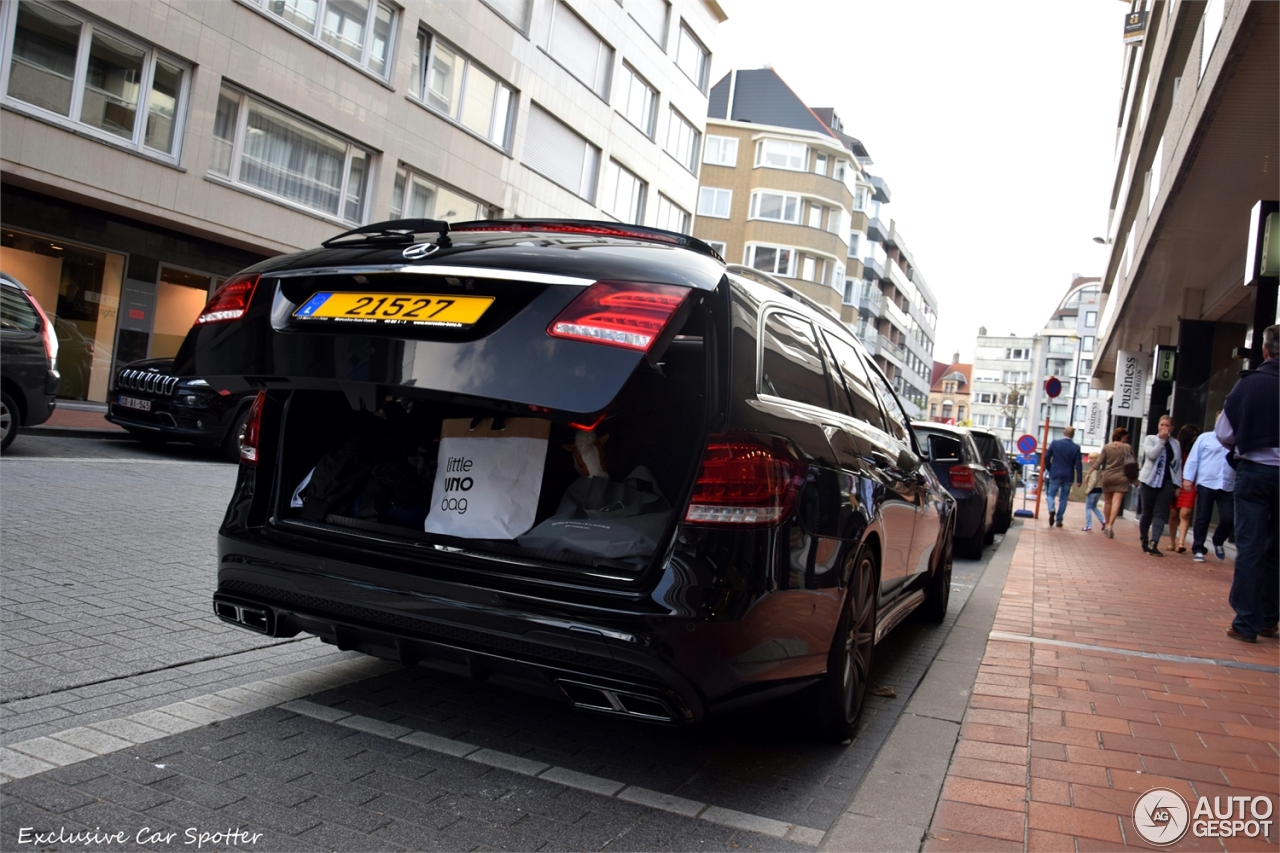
(1026,460)
(1053,386)
(1027,444)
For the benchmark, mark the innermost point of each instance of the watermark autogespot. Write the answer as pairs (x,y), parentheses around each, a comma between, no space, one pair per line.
(98,837)
(1162,817)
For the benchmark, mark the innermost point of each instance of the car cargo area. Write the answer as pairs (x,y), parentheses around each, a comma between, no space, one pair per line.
(373,478)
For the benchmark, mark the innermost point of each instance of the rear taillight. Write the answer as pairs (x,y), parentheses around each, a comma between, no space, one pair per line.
(999,473)
(961,477)
(230,301)
(252,430)
(47,333)
(620,314)
(745,480)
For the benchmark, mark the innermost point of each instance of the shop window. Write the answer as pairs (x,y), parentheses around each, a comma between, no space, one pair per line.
(358,31)
(79,73)
(79,289)
(180,296)
(418,197)
(452,84)
(264,150)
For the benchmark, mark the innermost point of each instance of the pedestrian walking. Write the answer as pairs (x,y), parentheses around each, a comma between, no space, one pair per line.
(1250,423)
(1206,470)
(1184,504)
(1159,483)
(1093,483)
(1064,464)
(1110,465)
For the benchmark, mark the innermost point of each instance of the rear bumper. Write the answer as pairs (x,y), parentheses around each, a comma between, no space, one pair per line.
(633,659)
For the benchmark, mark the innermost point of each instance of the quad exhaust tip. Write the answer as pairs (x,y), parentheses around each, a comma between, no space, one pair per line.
(246,616)
(608,700)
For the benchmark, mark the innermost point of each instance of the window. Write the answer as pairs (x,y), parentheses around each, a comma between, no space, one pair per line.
(561,156)
(776,207)
(861,196)
(855,243)
(1090,319)
(714,202)
(450,83)
(1061,344)
(359,31)
(984,420)
(579,50)
(682,140)
(637,100)
(721,151)
(622,194)
(897,419)
(692,58)
(1086,365)
(781,154)
(652,16)
(87,76)
(514,12)
(1017,354)
(815,216)
(417,197)
(772,259)
(672,217)
(856,382)
(718,246)
(820,164)
(790,363)
(1017,376)
(262,148)
(933,410)
(808,268)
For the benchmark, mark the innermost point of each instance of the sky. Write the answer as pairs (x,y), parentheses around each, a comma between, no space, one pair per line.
(992,122)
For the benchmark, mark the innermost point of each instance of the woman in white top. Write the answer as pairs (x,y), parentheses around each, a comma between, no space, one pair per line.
(1159,482)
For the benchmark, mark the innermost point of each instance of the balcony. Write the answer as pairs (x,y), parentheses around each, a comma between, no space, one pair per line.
(872,269)
(870,299)
(888,347)
(876,230)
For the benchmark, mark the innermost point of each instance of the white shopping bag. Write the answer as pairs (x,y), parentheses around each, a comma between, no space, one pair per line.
(488,479)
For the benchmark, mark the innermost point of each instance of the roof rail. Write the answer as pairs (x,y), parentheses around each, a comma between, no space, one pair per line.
(766,279)
(589,227)
(393,231)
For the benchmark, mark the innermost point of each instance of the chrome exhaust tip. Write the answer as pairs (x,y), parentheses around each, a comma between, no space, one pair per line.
(610,700)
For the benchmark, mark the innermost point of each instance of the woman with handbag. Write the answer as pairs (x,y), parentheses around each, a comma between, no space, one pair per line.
(1160,481)
(1111,465)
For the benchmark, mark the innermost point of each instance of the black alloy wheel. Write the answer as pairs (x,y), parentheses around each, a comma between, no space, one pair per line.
(9,419)
(842,692)
(939,592)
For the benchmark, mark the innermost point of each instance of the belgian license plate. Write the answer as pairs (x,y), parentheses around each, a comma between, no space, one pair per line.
(135,403)
(427,309)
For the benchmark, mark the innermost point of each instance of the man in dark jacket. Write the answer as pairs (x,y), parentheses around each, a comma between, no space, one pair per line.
(1250,423)
(1063,461)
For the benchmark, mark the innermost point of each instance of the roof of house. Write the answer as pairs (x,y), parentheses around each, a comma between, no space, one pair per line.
(760,96)
(955,370)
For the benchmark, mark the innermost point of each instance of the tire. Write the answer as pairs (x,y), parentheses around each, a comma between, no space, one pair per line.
(841,692)
(990,535)
(231,441)
(939,592)
(10,420)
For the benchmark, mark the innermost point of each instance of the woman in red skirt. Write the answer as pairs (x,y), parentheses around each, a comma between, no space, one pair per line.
(1183,507)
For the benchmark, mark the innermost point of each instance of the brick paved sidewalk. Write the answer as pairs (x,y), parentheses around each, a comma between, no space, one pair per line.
(1061,738)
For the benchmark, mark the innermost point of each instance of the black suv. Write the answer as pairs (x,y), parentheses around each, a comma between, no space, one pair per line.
(730,505)
(28,352)
(155,406)
(958,463)
(997,462)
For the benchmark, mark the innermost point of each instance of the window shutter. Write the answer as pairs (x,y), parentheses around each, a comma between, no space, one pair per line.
(576,46)
(651,15)
(559,154)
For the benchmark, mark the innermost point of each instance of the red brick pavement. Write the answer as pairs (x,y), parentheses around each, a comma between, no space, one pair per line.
(77,419)
(1059,742)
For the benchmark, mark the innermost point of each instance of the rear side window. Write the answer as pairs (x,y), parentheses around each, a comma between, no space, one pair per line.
(988,447)
(791,364)
(16,312)
(897,418)
(861,397)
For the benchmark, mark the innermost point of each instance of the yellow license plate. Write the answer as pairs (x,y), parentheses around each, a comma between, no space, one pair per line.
(428,309)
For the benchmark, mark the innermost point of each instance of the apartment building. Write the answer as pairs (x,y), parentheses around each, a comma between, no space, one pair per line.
(785,190)
(949,395)
(1003,376)
(1195,177)
(151,148)
(1067,347)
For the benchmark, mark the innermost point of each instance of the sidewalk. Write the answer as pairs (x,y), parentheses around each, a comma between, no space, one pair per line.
(73,418)
(1107,673)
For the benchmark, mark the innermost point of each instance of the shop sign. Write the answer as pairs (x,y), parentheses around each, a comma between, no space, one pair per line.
(1166,363)
(1135,27)
(1095,423)
(1131,381)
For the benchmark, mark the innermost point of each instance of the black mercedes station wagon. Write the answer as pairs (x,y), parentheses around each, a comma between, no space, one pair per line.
(584,459)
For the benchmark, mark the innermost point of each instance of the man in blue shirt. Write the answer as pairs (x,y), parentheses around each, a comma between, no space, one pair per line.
(1206,470)
(1064,462)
